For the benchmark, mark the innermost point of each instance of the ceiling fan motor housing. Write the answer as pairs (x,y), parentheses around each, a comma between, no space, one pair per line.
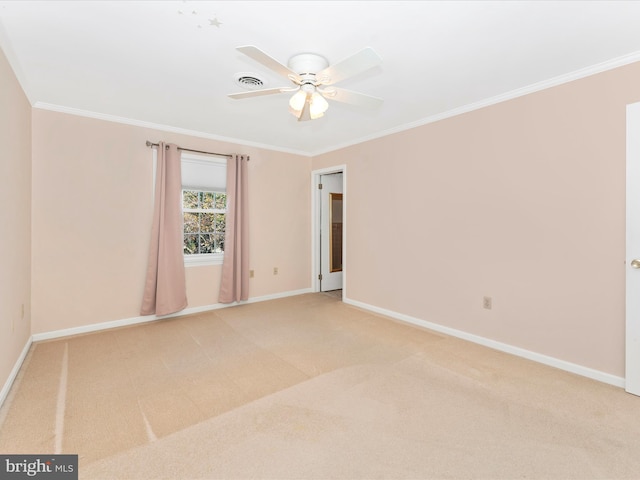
(307,63)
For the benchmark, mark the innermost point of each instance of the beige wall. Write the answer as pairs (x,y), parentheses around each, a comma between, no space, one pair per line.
(15,219)
(523,201)
(92,208)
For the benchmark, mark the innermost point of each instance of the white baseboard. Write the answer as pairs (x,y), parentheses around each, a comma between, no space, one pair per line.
(14,372)
(275,296)
(503,347)
(95,327)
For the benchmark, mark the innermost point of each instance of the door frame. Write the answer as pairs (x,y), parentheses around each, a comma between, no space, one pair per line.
(632,276)
(315,226)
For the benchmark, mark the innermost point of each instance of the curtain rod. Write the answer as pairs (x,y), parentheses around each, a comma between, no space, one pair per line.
(151,144)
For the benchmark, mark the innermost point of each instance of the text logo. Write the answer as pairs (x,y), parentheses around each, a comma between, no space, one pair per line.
(42,467)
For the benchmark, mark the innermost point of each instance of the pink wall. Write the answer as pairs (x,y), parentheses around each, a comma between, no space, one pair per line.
(15,219)
(523,201)
(92,207)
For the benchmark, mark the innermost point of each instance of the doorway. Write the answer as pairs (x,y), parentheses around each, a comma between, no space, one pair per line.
(329,230)
(632,263)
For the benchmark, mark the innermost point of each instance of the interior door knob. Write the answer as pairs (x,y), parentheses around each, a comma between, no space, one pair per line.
(635,263)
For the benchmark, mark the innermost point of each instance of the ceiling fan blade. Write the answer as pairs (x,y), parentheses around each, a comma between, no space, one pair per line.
(256,93)
(271,63)
(353,98)
(363,60)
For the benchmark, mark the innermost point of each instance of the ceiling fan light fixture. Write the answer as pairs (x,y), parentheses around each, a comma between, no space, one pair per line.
(308,94)
(297,101)
(317,106)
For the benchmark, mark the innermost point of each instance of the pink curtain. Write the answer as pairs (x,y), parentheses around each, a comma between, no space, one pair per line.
(235,268)
(165,289)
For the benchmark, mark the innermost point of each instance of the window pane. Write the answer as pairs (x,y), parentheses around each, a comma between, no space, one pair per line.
(190,244)
(189,199)
(207,199)
(204,231)
(219,243)
(221,201)
(191,223)
(206,243)
(206,222)
(219,225)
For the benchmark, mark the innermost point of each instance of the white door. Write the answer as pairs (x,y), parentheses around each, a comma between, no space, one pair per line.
(632,370)
(331,228)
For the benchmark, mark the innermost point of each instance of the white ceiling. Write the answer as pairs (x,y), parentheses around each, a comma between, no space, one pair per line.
(145,62)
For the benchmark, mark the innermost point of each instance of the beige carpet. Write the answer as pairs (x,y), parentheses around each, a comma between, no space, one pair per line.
(334,293)
(310,388)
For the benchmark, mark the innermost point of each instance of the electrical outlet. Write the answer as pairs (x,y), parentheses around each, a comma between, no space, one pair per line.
(486,303)
(251,273)
(275,270)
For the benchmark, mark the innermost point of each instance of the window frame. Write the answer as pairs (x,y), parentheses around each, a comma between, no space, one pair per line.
(201,259)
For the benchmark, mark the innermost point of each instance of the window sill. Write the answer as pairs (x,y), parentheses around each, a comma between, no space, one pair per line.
(205,259)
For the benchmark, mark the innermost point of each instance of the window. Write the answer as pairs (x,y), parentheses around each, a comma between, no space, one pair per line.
(204,208)
(204,221)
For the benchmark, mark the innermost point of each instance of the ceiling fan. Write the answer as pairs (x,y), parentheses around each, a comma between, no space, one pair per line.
(313,80)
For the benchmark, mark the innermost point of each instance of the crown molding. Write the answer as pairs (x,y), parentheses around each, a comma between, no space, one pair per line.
(519,92)
(163,128)
(545,84)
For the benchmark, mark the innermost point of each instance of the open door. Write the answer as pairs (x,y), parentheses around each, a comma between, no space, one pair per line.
(632,264)
(331,231)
